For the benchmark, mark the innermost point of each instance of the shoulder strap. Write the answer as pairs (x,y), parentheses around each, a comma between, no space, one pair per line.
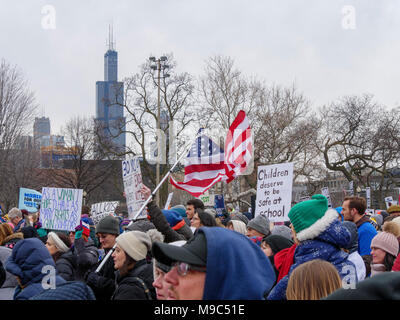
(146,289)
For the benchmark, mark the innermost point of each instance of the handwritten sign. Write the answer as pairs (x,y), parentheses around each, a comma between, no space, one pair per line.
(274,191)
(208,200)
(29,199)
(132,178)
(103,209)
(60,208)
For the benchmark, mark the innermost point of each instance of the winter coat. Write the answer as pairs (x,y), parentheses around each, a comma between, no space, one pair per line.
(129,288)
(27,260)
(19,226)
(366,232)
(73,264)
(161,223)
(11,240)
(237,268)
(103,282)
(8,287)
(70,290)
(377,268)
(326,246)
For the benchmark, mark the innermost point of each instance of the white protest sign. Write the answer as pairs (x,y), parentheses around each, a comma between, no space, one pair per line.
(325,192)
(208,200)
(168,201)
(103,209)
(60,208)
(274,191)
(370,211)
(132,178)
(389,202)
(305,198)
(368,196)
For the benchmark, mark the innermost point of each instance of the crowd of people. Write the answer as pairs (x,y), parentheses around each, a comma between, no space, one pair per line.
(190,252)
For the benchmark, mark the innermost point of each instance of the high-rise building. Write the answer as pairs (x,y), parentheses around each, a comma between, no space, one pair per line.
(109,102)
(41,127)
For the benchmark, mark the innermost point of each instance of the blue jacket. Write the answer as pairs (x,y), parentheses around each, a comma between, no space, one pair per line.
(366,232)
(27,259)
(237,269)
(326,247)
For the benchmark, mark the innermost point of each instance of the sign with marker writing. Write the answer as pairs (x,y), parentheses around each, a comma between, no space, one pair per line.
(60,208)
(132,178)
(103,209)
(29,199)
(274,191)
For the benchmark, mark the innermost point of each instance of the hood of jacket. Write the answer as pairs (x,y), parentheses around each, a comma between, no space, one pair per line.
(27,259)
(17,235)
(237,269)
(352,246)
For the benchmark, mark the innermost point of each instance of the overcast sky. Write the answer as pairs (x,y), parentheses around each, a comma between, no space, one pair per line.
(313,43)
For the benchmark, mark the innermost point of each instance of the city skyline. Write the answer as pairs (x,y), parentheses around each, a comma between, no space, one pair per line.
(325,50)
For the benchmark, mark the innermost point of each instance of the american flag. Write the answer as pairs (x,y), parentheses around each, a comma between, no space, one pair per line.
(206,163)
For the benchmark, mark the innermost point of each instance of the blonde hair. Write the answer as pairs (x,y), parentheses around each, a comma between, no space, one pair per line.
(313,280)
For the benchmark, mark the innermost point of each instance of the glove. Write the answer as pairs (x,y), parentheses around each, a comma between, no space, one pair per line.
(78,234)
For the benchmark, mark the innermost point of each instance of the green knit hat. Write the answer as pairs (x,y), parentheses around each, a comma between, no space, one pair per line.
(310,218)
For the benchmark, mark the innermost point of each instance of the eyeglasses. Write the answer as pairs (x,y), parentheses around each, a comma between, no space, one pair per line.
(183,268)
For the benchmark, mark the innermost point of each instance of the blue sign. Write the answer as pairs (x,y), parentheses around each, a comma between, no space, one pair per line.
(219,203)
(29,199)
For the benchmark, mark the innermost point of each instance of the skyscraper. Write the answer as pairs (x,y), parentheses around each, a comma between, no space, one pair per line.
(41,127)
(109,102)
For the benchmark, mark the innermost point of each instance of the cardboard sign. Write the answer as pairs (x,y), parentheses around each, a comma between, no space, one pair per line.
(274,191)
(132,179)
(103,209)
(29,199)
(60,208)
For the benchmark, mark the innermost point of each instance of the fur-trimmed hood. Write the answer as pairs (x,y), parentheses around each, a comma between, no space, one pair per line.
(18,235)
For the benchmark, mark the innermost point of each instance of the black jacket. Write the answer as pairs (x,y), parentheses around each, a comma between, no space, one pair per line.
(102,283)
(74,264)
(129,288)
(162,225)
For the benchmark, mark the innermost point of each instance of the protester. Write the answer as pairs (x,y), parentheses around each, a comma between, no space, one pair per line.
(283,261)
(27,261)
(394,211)
(8,288)
(319,234)
(202,219)
(354,210)
(58,243)
(240,216)
(182,212)
(103,282)
(313,280)
(29,232)
(16,218)
(199,268)
(283,231)
(238,226)
(134,277)
(393,228)
(352,249)
(384,250)
(378,221)
(7,236)
(192,205)
(258,227)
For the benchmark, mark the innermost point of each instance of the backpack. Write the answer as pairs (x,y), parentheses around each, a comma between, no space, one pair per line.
(146,289)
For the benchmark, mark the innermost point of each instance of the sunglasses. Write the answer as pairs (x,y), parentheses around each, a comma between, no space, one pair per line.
(183,268)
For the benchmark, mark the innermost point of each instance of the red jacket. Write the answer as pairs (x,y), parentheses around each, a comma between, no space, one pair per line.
(396,264)
(283,260)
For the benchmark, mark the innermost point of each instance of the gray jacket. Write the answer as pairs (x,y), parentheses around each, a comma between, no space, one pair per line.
(8,288)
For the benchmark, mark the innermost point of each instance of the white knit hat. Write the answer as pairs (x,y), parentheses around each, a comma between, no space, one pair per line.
(136,244)
(61,246)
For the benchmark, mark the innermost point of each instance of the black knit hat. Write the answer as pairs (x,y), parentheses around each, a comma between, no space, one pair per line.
(109,225)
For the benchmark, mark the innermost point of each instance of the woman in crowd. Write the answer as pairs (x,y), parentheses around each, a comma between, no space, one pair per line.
(202,219)
(384,250)
(57,243)
(7,236)
(237,225)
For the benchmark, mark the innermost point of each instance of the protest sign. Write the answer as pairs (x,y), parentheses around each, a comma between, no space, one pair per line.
(305,198)
(369,211)
(390,202)
(132,179)
(219,203)
(29,199)
(103,209)
(274,191)
(208,200)
(60,208)
(168,201)
(368,196)
(325,192)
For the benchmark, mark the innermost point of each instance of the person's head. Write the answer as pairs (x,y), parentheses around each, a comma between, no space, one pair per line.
(230,208)
(15,216)
(237,225)
(29,232)
(241,217)
(180,209)
(384,249)
(85,211)
(57,243)
(274,243)
(132,246)
(202,219)
(392,227)
(159,272)
(353,208)
(258,227)
(5,231)
(107,230)
(378,220)
(313,280)
(394,210)
(283,231)
(192,205)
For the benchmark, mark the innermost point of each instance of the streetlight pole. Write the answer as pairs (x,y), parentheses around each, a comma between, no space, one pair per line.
(159,66)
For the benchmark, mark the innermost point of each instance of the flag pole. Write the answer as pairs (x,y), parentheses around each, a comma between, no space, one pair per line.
(150,197)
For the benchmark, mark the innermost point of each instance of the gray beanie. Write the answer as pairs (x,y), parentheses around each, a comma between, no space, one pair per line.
(378,218)
(143,225)
(108,224)
(241,217)
(261,224)
(136,244)
(283,231)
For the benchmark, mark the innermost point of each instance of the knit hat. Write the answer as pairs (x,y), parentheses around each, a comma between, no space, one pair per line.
(108,224)
(61,246)
(84,226)
(241,217)
(180,209)
(143,225)
(135,244)
(29,232)
(387,242)
(238,226)
(175,221)
(339,210)
(311,217)
(393,209)
(277,242)
(261,224)
(283,231)
(396,220)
